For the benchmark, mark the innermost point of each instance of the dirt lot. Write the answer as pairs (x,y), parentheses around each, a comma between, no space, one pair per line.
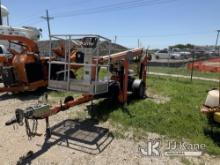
(14,143)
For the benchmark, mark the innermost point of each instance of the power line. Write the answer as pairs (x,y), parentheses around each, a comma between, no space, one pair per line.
(113,7)
(101,9)
(73,3)
(105,6)
(48,18)
(165,35)
(35,16)
(31,18)
(31,22)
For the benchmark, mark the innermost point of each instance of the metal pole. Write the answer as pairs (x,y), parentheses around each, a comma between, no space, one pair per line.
(65,67)
(168,60)
(48,23)
(68,74)
(218,52)
(216,43)
(116,37)
(8,20)
(48,18)
(192,69)
(1,22)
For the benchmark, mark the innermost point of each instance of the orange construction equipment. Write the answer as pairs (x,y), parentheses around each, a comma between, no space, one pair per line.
(3,59)
(118,86)
(25,70)
(128,82)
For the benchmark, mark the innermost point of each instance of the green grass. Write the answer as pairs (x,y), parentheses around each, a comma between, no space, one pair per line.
(178,118)
(183,71)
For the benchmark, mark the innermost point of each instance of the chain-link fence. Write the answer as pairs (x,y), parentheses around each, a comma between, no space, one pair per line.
(193,65)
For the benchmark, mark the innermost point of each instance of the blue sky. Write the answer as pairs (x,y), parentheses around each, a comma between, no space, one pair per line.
(157,25)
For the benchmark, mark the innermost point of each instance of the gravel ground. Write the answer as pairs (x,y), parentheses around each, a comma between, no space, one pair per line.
(14,143)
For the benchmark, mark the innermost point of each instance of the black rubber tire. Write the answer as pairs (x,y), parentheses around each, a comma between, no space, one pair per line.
(68,98)
(141,91)
(138,89)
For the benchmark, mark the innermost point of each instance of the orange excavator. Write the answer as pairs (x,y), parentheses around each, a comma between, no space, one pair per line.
(24,70)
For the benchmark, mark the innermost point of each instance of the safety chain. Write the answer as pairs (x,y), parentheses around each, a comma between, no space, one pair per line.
(31,133)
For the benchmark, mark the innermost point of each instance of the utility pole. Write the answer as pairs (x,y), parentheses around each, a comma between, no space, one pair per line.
(48,18)
(218,52)
(1,21)
(116,37)
(138,43)
(216,43)
(193,61)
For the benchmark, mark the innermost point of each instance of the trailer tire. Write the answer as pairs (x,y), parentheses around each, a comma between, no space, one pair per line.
(68,98)
(138,89)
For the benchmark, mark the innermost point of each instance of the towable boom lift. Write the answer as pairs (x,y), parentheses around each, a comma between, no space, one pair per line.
(118,82)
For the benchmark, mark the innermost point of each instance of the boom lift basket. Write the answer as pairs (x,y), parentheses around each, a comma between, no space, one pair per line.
(75,65)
